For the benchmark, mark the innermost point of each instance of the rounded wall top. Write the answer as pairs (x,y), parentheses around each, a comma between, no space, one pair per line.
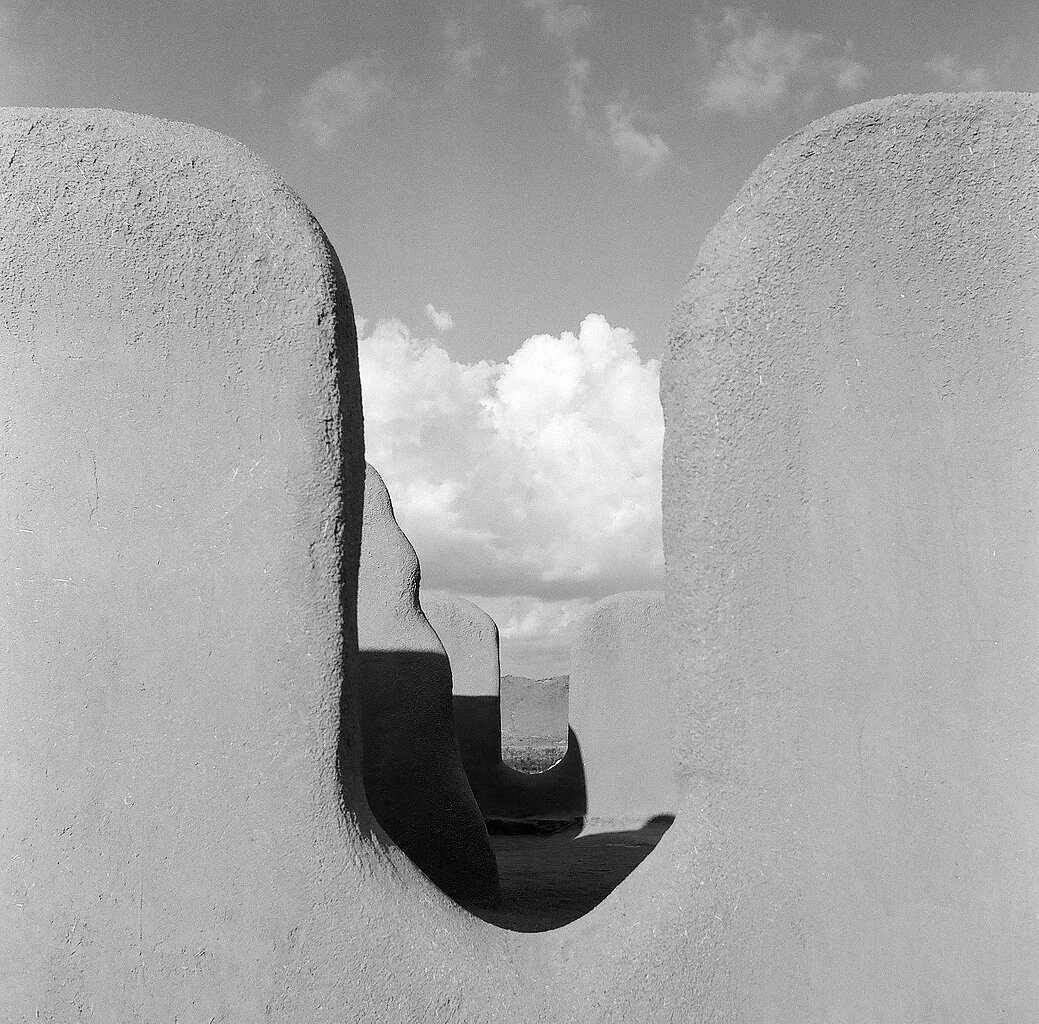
(108,181)
(875,163)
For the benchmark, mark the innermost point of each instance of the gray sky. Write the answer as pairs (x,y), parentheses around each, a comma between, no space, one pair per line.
(518,167)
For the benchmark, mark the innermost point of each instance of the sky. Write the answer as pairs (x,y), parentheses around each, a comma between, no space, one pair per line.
(516,191)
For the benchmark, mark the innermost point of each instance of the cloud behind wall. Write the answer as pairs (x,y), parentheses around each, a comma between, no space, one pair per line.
(531,485)
(949,71)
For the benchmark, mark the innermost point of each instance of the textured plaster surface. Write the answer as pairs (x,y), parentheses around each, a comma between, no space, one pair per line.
(413,774)
(851,478)
(621,708)
(850,463)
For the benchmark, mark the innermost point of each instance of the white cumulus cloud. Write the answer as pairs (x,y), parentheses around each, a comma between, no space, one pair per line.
(343,95)
(534,481)
(757,67)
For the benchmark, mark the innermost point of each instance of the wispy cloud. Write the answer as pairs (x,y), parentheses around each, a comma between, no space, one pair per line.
(253,92)
(464,54)
(561,25)
(440,318)
(638,152)
(560,20)
(950,71)
(613,124)
(344,95)
(577,92)
(757,67)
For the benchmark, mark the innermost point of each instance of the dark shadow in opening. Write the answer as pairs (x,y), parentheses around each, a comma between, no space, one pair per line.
(548,881)
(549,874)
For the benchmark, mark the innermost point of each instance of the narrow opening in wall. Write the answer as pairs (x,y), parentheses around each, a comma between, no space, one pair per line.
(528,801)
(572,773)
(534,718)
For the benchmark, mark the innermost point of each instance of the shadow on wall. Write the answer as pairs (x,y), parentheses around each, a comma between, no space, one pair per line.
(433,710)
(413,774)
(566,837)
(400,758)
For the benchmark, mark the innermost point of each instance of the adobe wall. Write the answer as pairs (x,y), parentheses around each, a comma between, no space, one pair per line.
(621,708)
(851,472)
(184,831)
(413,775)
(849,482)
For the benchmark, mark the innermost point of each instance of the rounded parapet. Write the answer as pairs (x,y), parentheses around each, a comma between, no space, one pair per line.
(470,637)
